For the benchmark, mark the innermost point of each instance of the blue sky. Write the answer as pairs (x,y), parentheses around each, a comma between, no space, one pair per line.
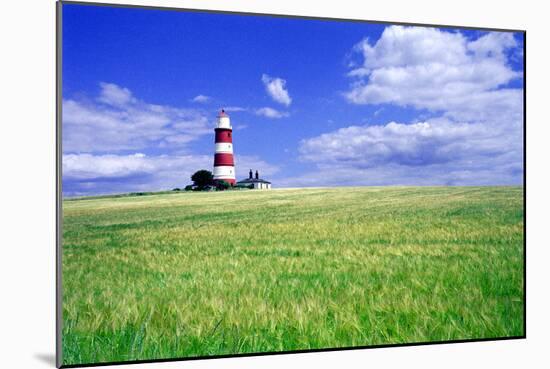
(312,102)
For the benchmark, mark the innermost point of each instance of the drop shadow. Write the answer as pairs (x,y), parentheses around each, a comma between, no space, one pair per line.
(46,358)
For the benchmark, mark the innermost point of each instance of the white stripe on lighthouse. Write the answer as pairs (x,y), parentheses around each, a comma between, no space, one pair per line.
(224,147)
(223,122)
(222,172)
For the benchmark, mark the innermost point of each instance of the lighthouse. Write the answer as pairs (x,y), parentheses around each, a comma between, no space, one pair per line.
(224,165)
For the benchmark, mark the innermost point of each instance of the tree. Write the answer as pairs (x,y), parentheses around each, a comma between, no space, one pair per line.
(222,185)
(202,178)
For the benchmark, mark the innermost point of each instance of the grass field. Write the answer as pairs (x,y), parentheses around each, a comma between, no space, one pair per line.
(194,274)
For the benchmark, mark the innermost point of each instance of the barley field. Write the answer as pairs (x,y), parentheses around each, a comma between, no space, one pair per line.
(191,274)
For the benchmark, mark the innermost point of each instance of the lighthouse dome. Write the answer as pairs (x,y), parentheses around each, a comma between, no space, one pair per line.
(223,120)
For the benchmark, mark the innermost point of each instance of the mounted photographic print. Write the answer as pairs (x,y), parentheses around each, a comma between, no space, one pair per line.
(243,184)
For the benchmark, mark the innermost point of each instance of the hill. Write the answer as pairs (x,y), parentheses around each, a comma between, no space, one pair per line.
(194,274)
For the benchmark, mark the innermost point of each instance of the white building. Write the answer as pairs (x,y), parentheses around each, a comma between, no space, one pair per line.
(256,183)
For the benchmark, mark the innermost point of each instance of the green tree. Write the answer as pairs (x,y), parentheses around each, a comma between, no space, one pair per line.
(222,185)
(202,178)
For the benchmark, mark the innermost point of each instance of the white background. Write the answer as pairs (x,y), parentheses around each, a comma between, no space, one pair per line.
(27,133)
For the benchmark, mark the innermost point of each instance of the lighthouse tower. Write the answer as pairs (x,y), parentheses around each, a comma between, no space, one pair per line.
(224,166)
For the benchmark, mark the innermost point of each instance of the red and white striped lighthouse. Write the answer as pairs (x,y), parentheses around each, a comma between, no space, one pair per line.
(224,166)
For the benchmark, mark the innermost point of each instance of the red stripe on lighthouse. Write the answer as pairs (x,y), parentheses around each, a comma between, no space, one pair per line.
(223,159)
(223,135)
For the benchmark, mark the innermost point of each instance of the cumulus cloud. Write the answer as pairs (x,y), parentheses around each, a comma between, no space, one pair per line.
(434,152)
(271,113)
(88,166)
(116,121)
(428,68)
(439,149)
(275,87)
(112,94)
(89,174)
(423,143)
(201,99)
(475,137)
(493,45)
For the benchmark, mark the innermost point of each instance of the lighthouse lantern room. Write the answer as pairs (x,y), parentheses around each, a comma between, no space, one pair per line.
(224,165)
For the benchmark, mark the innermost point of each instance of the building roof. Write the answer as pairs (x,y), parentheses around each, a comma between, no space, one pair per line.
(253,180)
(222,114)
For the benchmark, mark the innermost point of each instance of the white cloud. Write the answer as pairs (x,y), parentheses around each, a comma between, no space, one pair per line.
(89,174)
(476,140)
(437,141)
(118,121)
(428,68)
(88,166)
(112,94)
(275,87)
(507,173)
(201,99)
(438,151)
(244,163)
(271,113)
(230,109)
(493,45)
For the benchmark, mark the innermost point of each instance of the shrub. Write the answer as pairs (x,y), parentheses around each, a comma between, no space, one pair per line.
(222,185)
(241,186)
